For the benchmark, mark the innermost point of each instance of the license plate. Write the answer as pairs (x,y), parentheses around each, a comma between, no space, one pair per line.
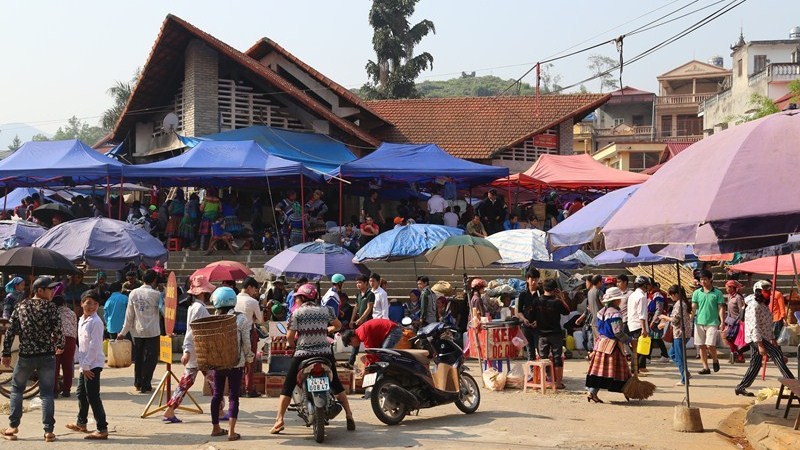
(318,384)
(369,380)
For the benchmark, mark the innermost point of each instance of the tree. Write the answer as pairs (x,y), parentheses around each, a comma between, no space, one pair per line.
(600,65)
(39,137)
(77,129)
(15,144)
(548,82)
(395,69)
(120,92)
(764,106)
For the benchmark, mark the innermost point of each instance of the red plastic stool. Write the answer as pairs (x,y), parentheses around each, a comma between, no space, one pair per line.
(174,245)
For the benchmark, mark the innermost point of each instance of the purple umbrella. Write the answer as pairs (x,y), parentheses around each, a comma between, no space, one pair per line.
(19,233)
(731,191)
(314,260)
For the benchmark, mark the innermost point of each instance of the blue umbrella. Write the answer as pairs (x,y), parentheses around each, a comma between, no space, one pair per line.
(103,243)
(405,242)
(314,260)
(19,233)
(583,226)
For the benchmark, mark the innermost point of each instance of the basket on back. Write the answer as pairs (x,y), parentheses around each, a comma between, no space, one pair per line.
(216,342)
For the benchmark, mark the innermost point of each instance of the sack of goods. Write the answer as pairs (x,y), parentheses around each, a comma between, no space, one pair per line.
(216,342)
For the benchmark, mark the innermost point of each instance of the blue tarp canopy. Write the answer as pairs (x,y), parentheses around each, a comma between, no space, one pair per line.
(218,163)
(317,151)
(15,197)
(49,162)
(419,163)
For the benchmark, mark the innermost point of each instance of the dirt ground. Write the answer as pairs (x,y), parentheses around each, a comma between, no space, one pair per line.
(505,420)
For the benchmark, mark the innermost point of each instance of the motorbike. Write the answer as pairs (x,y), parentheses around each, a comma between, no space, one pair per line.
(401,381)
(312,397)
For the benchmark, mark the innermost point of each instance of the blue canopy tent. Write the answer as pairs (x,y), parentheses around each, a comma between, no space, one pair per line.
(316,151)
(219,163)
(418,163)
(58,163)
(15,197)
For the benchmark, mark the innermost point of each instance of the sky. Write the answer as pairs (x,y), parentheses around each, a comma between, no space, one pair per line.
(60,57)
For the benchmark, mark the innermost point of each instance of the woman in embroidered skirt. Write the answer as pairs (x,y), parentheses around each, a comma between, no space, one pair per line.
(176,209)
(608,368)
(210,209)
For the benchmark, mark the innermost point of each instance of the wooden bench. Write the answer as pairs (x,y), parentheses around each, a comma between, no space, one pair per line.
(794,393)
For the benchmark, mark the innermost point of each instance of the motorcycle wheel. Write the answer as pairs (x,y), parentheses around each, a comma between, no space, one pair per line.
(469,397)
(387,409)
(319,426)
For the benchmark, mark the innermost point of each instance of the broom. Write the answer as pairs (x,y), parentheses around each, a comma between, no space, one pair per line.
(635,388)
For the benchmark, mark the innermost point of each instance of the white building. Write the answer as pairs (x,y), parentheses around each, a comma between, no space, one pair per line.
(759,67)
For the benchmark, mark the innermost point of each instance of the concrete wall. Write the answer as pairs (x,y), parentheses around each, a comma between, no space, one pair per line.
(200,93)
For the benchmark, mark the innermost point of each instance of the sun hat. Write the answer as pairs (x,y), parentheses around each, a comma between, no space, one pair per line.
(200,284)
(612,293)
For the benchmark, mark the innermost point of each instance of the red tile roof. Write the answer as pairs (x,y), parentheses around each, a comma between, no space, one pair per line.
(478,127)
(164,70)
(265,45)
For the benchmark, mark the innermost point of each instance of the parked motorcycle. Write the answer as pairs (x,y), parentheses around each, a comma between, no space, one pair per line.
(402,381)
(313,398)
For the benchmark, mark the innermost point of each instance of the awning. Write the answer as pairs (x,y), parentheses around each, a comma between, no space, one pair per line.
(44,163)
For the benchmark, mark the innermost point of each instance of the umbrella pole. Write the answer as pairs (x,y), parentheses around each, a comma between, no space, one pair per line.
(415,266)
(683,341)
(274,216)
(508,192)
(303,207)
(796,281)
(774,282)
(121,183)
(5,201)
(341,207)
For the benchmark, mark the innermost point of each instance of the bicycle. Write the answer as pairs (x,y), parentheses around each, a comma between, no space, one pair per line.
(7,373)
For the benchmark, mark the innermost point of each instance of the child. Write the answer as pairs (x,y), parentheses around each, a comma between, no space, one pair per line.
(218,234)
(90,359)
(66,359)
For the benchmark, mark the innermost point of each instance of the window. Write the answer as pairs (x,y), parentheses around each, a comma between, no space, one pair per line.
(618,122)
(638,120)
(666,126)
(739,66)
(639,161)
(759,63)
(689,125)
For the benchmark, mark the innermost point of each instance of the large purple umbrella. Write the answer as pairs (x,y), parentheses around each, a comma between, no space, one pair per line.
(314,260)
(731,191)
(103,243)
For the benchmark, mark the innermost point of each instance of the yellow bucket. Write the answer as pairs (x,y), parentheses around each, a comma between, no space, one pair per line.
(643,346)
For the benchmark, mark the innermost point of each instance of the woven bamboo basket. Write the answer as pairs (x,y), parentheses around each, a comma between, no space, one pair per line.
(216,342)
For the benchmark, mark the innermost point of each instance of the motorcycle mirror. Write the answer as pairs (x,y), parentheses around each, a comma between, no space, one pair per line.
(280,327)
(406,321)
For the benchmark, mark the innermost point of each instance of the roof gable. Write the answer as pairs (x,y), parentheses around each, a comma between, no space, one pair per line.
(694,68)
(478,127)
(164,68)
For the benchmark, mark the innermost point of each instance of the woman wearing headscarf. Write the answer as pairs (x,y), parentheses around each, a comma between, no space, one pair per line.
(735,313)
(15,290)
(608,367)
(758,333)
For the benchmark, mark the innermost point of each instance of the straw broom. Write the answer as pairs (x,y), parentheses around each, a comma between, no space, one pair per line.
(635,388)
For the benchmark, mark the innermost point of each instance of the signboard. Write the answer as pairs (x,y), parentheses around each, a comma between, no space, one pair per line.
(546,141)
(165,350)
(493,343)
(170,304)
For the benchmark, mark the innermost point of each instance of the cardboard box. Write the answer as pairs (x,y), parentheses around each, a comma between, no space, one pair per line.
(274,385)
(347,377)
(259,381)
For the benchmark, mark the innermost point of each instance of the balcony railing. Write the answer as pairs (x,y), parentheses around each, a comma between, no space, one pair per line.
(776,72)
(632,131)
(581,129)
(713,100)
(682,99)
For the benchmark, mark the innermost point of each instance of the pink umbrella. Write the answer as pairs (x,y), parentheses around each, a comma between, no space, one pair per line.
(731,191)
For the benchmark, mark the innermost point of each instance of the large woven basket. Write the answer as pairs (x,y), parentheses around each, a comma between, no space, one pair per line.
(216,342)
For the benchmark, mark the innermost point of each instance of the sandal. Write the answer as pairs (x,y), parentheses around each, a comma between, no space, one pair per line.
(10,433)
(173,419)
(221,432)
(49,437)
(277,428)
(234,437)
(97,436)
(77,427)
(561,386)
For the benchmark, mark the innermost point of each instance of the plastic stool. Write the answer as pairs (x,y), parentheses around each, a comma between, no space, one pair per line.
(538,369)
(174,245)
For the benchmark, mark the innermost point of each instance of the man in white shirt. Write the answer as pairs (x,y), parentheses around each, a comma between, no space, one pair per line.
(247,304)
(436,206)
(381,308)
(450,218)
(143,320)
(637,316)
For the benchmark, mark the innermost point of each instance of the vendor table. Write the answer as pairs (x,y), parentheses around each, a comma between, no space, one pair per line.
(493,343)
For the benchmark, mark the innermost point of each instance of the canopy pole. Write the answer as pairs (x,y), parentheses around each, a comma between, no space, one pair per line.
(108,195)
(341,207)
(508,192)
(683,333)
(774,282)
(303,206)
(796,281)
(121,195)
(5,202)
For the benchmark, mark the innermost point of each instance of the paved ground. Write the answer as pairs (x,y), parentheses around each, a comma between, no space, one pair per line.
(506,419)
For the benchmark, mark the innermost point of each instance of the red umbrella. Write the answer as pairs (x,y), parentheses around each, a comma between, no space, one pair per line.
(224,270)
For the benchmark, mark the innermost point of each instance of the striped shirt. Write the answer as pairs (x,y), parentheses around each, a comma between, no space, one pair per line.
(311,324)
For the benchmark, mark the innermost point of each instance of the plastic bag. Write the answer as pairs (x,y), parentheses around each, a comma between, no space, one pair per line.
(783,338)
(494,380)
(515,379)
(578,336)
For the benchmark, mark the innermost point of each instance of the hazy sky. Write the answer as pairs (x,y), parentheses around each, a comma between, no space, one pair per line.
(59,57)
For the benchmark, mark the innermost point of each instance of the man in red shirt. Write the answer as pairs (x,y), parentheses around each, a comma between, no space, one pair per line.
(375,333)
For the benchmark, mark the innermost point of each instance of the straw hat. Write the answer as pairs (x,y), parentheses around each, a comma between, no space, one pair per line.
(200,284)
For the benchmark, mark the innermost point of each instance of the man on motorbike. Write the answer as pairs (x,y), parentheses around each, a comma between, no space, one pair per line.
(308,332)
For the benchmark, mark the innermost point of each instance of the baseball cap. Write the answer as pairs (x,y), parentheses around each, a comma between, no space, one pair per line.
(44,283)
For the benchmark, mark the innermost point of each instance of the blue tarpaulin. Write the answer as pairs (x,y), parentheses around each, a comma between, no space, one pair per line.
(218,163)
(50,162)
(15,197)
(419,163)
(405,242)
(317,151)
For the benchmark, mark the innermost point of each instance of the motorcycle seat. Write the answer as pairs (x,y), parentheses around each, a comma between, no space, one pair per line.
(422,356)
